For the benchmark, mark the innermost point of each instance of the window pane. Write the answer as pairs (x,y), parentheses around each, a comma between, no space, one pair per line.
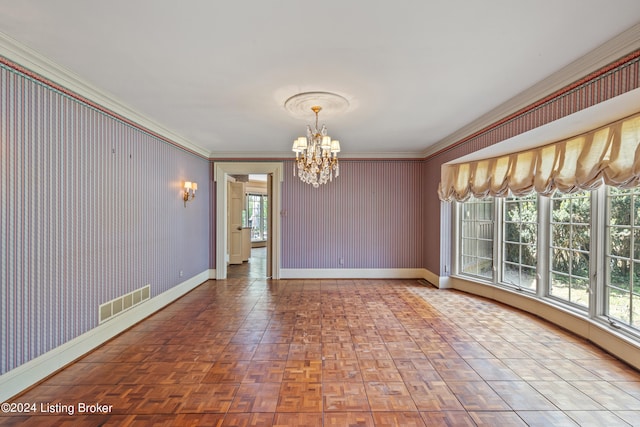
(619,273)
(257,216)
(558,213)
(485,248)
(579,291)
(476,238)
(528,279)
(469,247)
(511,253)
(581,208)
(622,281)
(486,268)
(581,237)
(635,285)
(561,261)
(469,265)
(468,229)
(620,242)
(619,305)
(529,233)
(620,210)
(635,312)
(519,241)
(580,265)
(570,244)
(485,230)
(485,211)
(636,243)
(465,210)
(561,235)
(511,273)
(559,285)
(511,232)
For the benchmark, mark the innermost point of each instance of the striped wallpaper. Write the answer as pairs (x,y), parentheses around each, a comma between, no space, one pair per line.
(370,217)
(607,83)
(90,209)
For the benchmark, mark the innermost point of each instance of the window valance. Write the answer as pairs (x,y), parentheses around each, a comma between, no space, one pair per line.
(610,155)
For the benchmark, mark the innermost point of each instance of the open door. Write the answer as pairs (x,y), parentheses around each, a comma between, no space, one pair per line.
(236,204)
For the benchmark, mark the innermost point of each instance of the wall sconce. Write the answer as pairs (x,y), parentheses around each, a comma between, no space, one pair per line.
(189,191)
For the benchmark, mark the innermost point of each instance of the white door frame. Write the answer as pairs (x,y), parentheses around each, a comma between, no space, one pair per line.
(220,172)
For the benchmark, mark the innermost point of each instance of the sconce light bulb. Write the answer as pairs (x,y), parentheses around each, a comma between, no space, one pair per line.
(189,191)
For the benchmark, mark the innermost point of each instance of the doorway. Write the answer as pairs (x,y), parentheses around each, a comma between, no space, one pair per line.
(249,217)
(222,173)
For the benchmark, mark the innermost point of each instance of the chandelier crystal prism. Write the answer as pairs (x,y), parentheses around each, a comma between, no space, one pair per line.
(316,155)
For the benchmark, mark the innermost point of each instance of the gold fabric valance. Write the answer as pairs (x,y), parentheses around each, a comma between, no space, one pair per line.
(609,155)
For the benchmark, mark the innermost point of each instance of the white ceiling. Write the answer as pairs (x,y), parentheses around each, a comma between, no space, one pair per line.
(218,73)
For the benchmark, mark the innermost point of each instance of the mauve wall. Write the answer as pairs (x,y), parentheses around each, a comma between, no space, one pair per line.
(609,82)
(90,209)
(371,216)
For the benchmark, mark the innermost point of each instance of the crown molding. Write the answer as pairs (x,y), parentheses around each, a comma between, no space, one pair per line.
(40,68)
(288,155)
(607,53)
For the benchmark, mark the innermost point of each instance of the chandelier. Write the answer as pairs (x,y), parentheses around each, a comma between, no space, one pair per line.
(316,155)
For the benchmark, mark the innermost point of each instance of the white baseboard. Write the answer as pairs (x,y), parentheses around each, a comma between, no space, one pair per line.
(353,273)
(441,282)
(30,373)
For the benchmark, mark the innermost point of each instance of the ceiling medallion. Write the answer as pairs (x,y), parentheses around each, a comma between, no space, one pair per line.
(331,103)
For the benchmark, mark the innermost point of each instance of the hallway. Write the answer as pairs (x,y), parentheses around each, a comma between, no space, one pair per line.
(255,268)
(251,352)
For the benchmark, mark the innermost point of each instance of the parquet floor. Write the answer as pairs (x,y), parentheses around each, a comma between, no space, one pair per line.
(253,352)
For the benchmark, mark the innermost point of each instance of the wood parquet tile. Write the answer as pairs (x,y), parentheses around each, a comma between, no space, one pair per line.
(477,396)
(447,419)
(258,397)
(565,396)
(497,418)
(546,418)
(300,397)
(389,396)
(345,397)
(254,352)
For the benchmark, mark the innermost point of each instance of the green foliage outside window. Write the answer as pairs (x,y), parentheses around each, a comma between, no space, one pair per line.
(520,238)
(570,245)
(623,255)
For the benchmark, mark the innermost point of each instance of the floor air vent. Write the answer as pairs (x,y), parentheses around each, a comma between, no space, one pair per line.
(123,303)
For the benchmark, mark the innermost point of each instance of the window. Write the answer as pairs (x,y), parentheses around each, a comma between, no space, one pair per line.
(622,258)
(520,241)
(570,240)
(257,216)
(476,238)
(580,251)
